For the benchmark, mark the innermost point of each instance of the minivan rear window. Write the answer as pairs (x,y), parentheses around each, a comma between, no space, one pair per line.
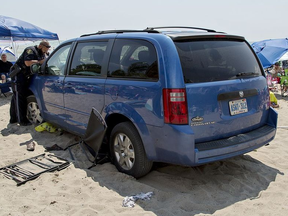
(215,60)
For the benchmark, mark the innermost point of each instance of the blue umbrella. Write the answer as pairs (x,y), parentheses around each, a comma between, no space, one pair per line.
(270,51)
(10,55)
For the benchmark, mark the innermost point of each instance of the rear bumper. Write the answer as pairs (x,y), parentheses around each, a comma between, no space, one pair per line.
(175,144)
(236,145)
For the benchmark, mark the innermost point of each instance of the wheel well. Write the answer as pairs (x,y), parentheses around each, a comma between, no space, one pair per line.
(113,120)
(29,93)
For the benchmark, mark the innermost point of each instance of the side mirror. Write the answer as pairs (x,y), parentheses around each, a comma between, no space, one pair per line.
(35,68)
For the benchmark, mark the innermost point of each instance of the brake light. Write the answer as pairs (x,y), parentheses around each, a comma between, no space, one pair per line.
(175,106)
(220,36)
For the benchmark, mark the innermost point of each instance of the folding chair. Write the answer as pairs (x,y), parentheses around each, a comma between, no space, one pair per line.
(31,168)
(5,88)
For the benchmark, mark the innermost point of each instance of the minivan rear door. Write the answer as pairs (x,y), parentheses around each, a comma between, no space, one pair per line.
(225,86)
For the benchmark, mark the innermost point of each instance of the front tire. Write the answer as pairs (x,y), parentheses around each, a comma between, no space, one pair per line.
(127,151)
(33,111)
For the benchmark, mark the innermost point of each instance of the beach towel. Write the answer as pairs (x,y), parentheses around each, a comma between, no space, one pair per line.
(46,126)
(129,201)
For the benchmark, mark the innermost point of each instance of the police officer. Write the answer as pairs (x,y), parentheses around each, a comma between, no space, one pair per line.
(21,81)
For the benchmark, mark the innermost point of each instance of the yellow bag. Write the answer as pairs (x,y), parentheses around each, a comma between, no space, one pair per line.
(45,126)
(273,98)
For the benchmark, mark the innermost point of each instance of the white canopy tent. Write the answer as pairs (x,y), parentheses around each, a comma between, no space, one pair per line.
(284,57)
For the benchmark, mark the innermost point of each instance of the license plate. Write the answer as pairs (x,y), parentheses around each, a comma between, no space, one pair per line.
(238,106)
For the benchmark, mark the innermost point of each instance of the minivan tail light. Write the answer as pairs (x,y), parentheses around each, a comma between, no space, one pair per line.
(175,106)
(219,36)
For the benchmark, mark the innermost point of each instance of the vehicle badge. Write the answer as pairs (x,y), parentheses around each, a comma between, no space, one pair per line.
(197,119)
(241,94)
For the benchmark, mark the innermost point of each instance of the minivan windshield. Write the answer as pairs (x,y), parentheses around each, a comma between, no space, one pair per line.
(215,60)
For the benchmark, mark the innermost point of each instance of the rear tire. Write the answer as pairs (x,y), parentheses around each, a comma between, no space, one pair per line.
(127,151)
(33,111)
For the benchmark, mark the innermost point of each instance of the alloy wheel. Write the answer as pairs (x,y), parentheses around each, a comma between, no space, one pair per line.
(33,113)
(124,151)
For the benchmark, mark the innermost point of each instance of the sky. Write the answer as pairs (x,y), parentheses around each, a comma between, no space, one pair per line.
(254,19)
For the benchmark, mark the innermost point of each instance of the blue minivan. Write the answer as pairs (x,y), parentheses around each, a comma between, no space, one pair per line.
(179,95)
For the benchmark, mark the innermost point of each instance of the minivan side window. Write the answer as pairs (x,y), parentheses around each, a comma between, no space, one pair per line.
(56,64)
(88,58)
(133,59)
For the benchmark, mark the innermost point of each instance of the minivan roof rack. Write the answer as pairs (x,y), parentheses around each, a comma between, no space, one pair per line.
(185,27)
(148,30)
(179,27)
(119,32)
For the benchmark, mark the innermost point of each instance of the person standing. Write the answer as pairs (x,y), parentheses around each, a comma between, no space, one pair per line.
(21,81)
(4,67)
(277,69)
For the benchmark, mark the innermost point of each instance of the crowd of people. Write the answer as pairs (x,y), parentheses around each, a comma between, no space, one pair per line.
(274,76)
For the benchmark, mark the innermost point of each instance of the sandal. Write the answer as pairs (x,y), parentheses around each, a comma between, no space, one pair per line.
(31,146)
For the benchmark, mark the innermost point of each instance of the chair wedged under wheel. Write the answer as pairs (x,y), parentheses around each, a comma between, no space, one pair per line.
(93,139)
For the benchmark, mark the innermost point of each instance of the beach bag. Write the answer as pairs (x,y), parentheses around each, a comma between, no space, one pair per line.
(273,98)
(274,80)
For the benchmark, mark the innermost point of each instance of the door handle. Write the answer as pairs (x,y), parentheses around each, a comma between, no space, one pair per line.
(68,85)
(58,83)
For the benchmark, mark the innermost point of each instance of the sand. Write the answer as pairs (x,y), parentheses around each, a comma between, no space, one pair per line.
(252,184)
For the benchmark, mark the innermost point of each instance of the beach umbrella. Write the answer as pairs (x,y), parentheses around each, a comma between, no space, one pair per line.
(9,53)
(270,51)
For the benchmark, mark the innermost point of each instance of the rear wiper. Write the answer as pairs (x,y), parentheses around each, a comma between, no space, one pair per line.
(246,74)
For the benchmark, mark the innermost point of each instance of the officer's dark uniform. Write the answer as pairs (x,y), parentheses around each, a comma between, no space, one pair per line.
(20,85)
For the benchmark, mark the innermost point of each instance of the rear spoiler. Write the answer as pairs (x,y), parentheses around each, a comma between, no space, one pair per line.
(181,37)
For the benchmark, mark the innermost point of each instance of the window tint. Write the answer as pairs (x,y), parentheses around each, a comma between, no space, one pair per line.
(88,59)
(133,59)
(206,61)
(57,63)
